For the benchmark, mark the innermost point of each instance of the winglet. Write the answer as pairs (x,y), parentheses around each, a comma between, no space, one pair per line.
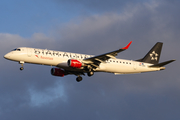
(127,46)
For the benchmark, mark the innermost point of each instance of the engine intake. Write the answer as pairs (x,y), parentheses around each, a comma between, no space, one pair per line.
(74,63)
(57,72)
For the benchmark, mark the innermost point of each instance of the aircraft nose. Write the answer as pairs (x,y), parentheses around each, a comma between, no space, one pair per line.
(7,56)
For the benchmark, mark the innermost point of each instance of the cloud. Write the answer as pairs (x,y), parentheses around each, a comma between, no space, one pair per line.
(39,98)
(139,23)
(100,5)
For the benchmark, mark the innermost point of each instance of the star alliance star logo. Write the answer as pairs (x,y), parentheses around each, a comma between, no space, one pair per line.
(154,56)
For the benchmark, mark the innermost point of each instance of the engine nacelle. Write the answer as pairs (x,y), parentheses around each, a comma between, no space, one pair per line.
(57,72)
(74,63)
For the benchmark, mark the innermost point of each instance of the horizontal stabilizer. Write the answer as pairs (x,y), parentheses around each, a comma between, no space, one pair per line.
(162,64)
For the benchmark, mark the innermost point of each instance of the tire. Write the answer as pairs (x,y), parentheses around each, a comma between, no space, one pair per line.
(21,68)
(78,79)
(91,73)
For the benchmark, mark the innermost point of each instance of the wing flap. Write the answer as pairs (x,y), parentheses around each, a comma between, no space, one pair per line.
(110,56)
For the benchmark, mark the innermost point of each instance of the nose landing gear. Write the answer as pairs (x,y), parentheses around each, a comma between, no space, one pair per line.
(21,68)
(22,63)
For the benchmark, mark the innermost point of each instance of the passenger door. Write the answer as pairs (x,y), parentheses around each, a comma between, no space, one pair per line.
(29,52)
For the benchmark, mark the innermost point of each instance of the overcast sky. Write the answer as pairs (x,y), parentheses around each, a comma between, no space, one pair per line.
(92,27)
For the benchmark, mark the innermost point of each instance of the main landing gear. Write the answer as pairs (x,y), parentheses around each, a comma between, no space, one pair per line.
(90,70)
(90,73)
(22,63)
(79,78)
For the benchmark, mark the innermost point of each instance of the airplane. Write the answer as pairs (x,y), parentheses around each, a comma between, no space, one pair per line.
(67,63)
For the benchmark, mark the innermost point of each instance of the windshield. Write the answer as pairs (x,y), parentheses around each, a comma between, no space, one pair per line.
(16,49)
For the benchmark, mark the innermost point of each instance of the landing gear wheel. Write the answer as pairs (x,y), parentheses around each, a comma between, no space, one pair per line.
(90,73)
(78,79)
(21,68)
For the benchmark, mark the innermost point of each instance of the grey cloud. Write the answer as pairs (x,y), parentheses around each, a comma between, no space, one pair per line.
(137,23)
(99,5)
(139,96)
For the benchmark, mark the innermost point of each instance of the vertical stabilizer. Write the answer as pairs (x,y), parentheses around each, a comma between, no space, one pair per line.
(153,55)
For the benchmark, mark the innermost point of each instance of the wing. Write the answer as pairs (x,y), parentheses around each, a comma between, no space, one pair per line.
(96,60)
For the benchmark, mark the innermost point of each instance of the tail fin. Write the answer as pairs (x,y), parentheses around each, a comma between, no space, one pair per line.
(153,55)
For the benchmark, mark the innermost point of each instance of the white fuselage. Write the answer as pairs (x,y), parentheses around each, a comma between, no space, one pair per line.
(59,59)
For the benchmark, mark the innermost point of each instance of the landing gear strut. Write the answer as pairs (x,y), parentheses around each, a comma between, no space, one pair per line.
(79,78)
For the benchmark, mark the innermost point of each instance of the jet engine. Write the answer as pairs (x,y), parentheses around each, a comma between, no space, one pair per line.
(74,63)
(57,72)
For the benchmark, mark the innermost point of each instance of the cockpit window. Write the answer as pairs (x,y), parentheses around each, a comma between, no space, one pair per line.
(16,49)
